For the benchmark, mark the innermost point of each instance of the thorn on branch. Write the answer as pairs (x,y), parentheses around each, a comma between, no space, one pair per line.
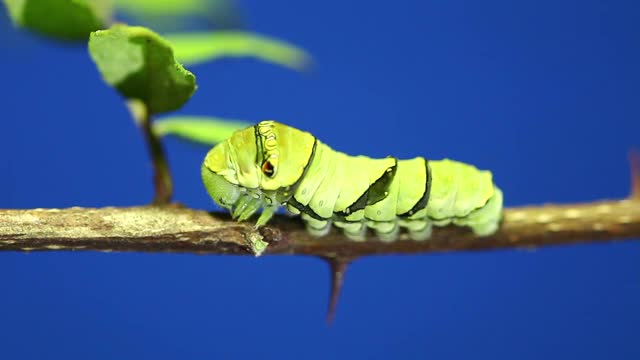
(338,267)
(634,163)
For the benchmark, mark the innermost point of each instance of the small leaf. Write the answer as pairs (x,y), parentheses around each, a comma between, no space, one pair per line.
(200,129)
(255,242)
(162,7)
(198,47)
(61,19)
(140,64)
(171,15)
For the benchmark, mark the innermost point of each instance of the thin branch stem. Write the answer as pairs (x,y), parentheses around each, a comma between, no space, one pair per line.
(169,229)
(162,179)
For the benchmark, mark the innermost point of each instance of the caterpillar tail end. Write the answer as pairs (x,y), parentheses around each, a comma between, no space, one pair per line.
(486,220)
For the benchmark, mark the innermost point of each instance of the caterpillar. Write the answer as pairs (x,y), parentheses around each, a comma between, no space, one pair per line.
(270,165)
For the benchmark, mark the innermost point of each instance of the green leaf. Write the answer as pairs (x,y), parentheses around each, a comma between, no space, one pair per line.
(140,64)
(198,47)
(200,129)
(172,15)
(163,7)
(60,19)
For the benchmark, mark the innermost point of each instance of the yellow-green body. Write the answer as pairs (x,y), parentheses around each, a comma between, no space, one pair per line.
(271,165)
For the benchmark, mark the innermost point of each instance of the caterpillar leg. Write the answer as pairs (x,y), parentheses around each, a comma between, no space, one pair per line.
(267,214)
(356,231)
(386,231)
(246,206)
(419,230)
(316,227)
(238,207)
(292,211)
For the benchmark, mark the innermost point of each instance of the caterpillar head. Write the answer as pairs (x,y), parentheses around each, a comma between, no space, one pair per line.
(268,157)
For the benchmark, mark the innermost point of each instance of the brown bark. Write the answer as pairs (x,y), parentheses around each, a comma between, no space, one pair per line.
(172,229)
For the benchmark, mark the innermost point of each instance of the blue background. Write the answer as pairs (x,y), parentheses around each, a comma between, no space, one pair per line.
(544,93)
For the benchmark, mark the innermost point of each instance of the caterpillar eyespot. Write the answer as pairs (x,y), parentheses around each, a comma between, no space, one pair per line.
(268,169)
(271,165)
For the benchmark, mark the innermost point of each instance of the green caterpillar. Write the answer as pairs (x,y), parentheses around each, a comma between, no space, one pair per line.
(271,165)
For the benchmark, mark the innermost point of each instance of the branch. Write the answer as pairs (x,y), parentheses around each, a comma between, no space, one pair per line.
(177,229)
(172,229)
(161,174)
(162,180)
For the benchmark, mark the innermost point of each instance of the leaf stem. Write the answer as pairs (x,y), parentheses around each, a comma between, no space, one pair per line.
(161,172)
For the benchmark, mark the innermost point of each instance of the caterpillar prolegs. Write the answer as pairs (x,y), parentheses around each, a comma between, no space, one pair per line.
(271,165)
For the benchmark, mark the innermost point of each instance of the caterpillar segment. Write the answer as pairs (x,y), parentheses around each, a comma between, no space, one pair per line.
(271,165)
